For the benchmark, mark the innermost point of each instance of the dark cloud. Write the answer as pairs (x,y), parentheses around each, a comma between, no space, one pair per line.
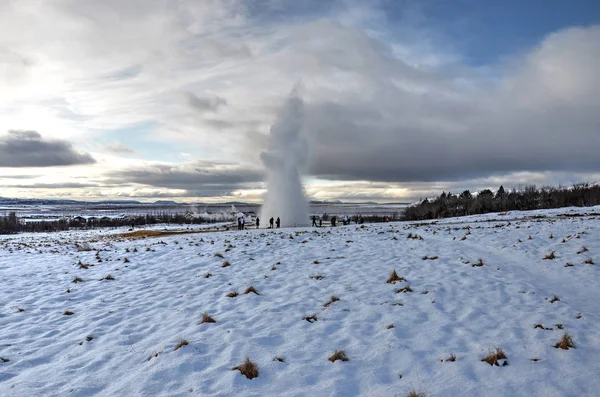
(68,185)
(202,178)
(401,124)
(29,149)
(204,104)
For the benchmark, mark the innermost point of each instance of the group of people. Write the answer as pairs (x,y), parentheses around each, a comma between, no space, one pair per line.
(345,220)
(242,223)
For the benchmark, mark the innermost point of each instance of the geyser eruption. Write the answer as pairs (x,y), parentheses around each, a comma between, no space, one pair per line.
(283,160)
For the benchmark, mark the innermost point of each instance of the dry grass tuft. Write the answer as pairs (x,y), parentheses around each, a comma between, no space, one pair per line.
(535,359)
(155,354)
(219,255)
(20,310)
(554,299)
(338,355)
(126,260)
(550,256)
(310,319)
(582,250)
(317,277)
(589,261)
(495,355)
(251,289)
(68,313)
(181,343)
(207,275)
(248,369)
(108,277)
(394,278)
(391,326)
(560,326)
(4,360)
(78,280)
(565,343)
(451,359)
(331,300)
(404,289)
(413,393)
(280,359)
(82,266)
(232,294)
(540,326)
(316,262)
(207,319)
(226,264)
(479,263)
(569,264)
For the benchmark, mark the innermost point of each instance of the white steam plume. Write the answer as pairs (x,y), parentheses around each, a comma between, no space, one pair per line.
(283,160)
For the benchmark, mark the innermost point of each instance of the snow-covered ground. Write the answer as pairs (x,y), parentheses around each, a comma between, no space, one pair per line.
(121,338)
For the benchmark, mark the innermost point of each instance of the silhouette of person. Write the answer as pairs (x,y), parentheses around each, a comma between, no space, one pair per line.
(257,222)
(320,222)
(243,221)
(314,219)
(271,223)
(278,222)
(239,223)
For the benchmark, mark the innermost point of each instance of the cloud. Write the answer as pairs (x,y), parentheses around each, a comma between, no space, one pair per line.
(118,148)
(397,123)
(204,104)
(386,100)
(29,149)
(201,178)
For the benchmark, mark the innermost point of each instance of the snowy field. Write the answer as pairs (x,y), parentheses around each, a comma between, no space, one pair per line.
(121,336)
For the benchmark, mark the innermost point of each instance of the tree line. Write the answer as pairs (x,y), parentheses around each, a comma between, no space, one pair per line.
(11,224)
(529,198)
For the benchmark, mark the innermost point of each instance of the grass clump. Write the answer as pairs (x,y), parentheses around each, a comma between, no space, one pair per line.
(479,263)
(331,300)
(565,343)
(310,319)
(589,261)
(78,280)
(338,355)
(404,289)
(68,313)
(550,256)
(181,343)
(251,289)
(232,294)
(554,299)
(394,278)
(226,264)
(207,319)
(219,255)
(108,277)
(413,393)
(248,369)
(494,356)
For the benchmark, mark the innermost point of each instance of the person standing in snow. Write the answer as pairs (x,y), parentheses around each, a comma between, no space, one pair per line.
(271,223)
(278,222)
(239,223)
(257,222)
(314,219)
(320,222)
(243,222)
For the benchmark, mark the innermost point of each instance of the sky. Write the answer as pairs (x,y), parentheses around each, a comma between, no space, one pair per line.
(402,99)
